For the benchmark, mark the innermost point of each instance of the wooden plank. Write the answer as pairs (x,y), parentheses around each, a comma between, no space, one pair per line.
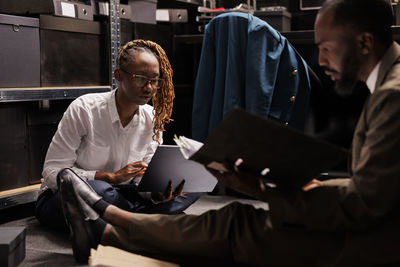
(19,190)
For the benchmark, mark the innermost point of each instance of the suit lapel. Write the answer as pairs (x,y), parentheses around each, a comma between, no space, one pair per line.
(390,57)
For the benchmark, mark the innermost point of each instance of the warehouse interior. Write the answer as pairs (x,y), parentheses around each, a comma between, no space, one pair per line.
(54,51)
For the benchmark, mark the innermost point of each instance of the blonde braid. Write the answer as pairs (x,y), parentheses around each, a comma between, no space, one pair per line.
(163,99)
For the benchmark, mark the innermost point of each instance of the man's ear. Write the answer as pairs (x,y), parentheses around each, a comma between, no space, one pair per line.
(366,42)
(117,74)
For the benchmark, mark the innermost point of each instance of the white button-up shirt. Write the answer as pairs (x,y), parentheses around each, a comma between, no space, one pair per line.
(90,138)
(373,77)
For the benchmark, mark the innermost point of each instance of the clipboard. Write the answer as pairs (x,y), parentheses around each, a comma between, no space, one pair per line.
(269,149)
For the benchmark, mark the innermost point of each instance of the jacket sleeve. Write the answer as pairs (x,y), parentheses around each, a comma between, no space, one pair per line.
(370,196)
(204,88)
(263,57)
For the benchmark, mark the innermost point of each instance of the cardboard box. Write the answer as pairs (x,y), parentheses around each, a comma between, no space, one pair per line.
(12,246)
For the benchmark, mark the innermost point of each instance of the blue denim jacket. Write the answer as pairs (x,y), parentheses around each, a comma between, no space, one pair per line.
(245,62)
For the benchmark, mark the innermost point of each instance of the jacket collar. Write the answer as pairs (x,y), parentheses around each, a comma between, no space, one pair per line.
(391,56)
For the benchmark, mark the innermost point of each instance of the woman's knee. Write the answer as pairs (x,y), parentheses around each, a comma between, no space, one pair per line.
(105,190)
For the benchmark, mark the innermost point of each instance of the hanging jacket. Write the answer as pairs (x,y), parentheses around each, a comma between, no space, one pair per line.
(245,62)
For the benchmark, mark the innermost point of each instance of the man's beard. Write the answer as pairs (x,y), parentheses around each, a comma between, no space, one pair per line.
(351,64)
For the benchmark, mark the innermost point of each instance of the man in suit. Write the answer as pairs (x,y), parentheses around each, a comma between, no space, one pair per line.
(351,221)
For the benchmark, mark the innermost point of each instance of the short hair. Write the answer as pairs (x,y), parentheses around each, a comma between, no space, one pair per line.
(163,99)
(373,16)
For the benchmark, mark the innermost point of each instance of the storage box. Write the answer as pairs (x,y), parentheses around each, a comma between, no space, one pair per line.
(19,51)
(76,8)
(143,11)
(73,52)
(278,19)
(172,15)
(311,4)
(12,246)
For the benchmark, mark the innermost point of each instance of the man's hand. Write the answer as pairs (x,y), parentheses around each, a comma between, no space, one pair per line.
(168,194)
(135,169)
(240,181)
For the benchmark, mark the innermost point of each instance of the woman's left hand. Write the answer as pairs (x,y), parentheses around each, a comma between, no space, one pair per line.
(168,194)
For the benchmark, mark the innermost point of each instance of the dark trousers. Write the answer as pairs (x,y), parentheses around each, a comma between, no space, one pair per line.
(49,212)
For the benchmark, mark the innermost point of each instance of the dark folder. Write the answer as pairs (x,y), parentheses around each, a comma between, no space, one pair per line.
(168,164)
(292,157)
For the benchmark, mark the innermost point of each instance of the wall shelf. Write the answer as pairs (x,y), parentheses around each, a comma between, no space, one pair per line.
(48,93)
(19,196)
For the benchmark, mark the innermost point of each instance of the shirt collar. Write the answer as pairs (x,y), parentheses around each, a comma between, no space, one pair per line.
(373,77)
(112,107)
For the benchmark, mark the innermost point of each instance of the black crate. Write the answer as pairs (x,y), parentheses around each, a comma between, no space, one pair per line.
(73,52)
(12,246)
(19,51)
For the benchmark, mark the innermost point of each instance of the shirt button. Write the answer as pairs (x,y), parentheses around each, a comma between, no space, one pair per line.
(293,98)
(295,72)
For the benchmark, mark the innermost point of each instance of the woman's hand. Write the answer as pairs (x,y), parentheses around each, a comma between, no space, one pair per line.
(168,194)
(134,169)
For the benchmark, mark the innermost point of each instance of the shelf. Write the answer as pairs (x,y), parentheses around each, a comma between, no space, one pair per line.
(295,37)
(22,195)
(188,38)
(48,93)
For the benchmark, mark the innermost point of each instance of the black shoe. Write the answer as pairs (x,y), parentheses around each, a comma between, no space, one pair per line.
(81,187)
(77,219)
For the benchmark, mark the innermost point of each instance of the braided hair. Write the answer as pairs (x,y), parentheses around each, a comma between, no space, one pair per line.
(163,99)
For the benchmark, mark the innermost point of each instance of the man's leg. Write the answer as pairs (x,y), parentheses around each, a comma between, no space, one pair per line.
(236,232)
(179,236)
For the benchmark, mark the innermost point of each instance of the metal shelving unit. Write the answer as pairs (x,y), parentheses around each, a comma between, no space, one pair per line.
(48,93)
(115,38)
(29,193)
(71,92)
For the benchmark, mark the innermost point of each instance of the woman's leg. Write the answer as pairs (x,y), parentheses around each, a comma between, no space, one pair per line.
(48,210)
(111,195)
(174,206)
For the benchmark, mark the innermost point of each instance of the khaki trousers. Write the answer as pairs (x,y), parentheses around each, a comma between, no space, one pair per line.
(237,233)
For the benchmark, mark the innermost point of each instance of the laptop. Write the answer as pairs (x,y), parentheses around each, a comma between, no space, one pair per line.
(168,164)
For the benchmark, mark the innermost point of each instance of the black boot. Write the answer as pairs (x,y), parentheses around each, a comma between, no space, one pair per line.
(77,214)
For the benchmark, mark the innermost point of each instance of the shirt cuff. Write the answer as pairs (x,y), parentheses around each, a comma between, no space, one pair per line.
(337,182)
(88,175)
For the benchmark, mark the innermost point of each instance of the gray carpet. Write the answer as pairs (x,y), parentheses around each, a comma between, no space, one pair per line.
(50,248)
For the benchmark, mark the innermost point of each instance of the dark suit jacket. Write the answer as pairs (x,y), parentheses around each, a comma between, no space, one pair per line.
(245,62)
(365,209)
